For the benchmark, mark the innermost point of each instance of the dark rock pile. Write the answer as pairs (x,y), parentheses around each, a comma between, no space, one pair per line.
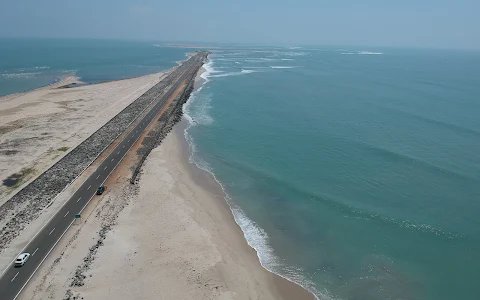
(26,205)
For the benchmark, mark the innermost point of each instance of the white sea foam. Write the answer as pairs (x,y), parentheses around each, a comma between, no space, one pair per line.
(42,67)
(362,53)
(295,53)
(26,75)
(200,113)
(284,67)
(227,59)
(234,73)
(208,70)
(287,59)
(369,53)
(256,237)
(255,60)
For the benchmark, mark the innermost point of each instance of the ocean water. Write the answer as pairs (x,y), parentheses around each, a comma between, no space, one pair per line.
(354,172)
(27,64)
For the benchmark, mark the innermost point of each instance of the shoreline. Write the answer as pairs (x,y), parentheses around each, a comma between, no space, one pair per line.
(286,288)
(202,248)
(63,81)
(208,181)
(73,81)
(172,234)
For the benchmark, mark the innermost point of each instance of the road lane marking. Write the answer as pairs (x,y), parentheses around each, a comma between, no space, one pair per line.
(123,146)
(14,277)
(119,151)
(105,167)
(98,176)
(51,231)
(45,257)
(89,187)
(112,159)
(66,214)
(128,141)
(35,252)
(50,250)
(79,199)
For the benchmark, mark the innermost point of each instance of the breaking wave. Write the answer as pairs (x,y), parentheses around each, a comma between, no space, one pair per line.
(284,67)
(196,111)
(362,53)
(26,75)
(369,53)
(295,53)
(234,73)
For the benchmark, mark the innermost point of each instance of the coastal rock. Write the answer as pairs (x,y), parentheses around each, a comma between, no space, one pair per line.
(28,203)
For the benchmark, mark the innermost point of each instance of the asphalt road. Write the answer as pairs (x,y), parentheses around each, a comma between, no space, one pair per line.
(14,279)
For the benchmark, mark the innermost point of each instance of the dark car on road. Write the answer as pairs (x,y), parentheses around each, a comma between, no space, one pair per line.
(101,189)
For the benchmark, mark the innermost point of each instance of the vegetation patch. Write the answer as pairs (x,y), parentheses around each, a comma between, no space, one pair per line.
(63,149)
(9,152)
(17,179)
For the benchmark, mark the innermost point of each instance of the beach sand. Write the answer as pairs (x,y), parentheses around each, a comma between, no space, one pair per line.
(171,236)
(39,127)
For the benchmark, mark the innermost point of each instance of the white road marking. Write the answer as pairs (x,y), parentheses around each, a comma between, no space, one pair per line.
(38,266)
(51,231)
(14,277)
(66,214)
(105,167)
(89,187)
(112,159)
(98,176)
(128,141)
(123,146)
(119,151)
(35,252)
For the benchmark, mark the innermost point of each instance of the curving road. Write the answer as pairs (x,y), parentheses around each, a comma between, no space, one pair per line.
(13,280)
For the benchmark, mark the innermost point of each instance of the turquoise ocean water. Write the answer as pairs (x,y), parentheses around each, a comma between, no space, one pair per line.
(27,64)
(354,172)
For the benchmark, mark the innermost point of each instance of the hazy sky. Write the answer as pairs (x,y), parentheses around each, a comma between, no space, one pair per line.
(422,23)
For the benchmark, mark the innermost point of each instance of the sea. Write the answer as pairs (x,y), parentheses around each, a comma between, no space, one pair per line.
(353,171)
(27,64)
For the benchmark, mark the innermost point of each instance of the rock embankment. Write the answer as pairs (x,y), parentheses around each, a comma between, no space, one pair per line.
(27,204)
(164,125)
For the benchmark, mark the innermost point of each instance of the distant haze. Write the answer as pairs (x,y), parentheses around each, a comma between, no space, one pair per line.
(408,23)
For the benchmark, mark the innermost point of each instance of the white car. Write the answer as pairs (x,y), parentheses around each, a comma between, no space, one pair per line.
(21,259)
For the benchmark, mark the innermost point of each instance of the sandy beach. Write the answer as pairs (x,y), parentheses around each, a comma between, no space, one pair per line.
(39,127)
(171,237)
